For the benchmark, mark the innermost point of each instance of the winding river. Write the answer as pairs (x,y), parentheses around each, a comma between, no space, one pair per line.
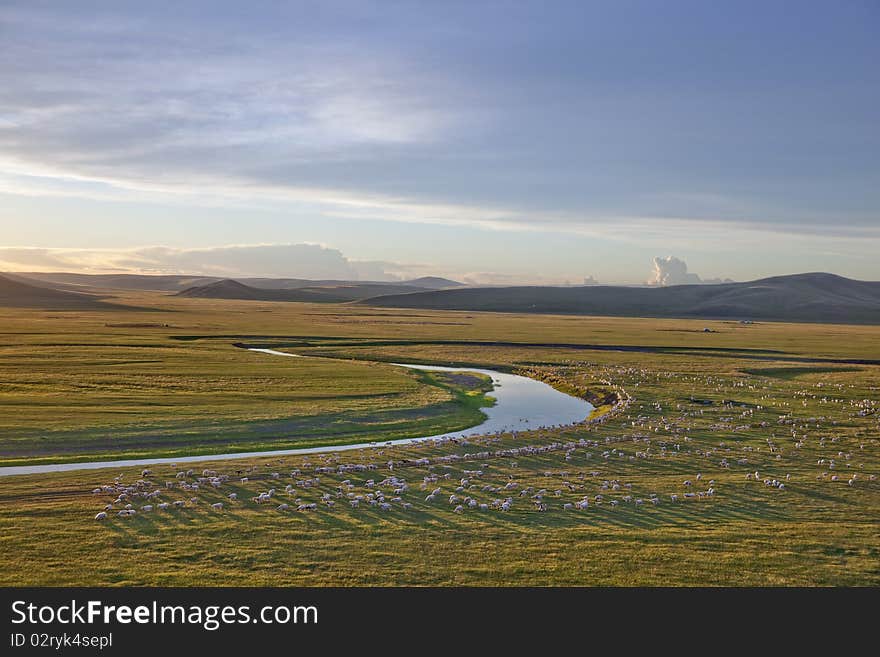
(521,404)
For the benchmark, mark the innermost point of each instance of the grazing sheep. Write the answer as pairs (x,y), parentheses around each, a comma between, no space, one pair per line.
(283,507)
(217,506)
(101,516)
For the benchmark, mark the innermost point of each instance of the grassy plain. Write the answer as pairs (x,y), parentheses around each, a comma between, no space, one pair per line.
(798,403)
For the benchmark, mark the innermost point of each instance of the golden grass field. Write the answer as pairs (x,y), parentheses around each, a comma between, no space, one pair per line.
(798,403)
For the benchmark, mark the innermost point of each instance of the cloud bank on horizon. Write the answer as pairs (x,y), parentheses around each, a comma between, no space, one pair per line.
(308,261)
(633,127)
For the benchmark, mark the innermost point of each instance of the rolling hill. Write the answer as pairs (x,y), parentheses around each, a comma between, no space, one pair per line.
(18,294)
(329,293)
(344,290)
(145,282)
(813,297)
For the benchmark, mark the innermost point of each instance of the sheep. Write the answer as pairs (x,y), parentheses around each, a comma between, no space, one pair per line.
(101,516)
(458,509)
(147,507)
(568,506)
(217,506)
(163,506)
(283,507)
(233,496)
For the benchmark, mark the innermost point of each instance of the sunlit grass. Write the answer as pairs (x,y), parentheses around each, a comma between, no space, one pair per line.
(760,402)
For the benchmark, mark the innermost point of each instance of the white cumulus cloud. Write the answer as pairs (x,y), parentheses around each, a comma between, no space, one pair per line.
(670,270)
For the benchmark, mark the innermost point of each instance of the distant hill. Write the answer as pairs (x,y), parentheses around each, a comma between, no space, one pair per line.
(814,297)
(118,281)
(347,290)
(19,294)
(433,283)
(331,293)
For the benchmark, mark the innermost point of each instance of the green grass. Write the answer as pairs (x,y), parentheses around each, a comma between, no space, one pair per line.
(794,372)
(755,401)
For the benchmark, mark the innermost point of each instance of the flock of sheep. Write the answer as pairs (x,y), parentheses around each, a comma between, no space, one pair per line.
(565,470)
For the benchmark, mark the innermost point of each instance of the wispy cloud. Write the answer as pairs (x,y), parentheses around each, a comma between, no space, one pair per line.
(459,115)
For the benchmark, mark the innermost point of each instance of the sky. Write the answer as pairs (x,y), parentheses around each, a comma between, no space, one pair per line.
(492,142)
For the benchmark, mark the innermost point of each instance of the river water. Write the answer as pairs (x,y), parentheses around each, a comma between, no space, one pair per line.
(521,404)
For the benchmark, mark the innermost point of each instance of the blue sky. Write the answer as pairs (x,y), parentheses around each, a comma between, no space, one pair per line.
(493,141)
